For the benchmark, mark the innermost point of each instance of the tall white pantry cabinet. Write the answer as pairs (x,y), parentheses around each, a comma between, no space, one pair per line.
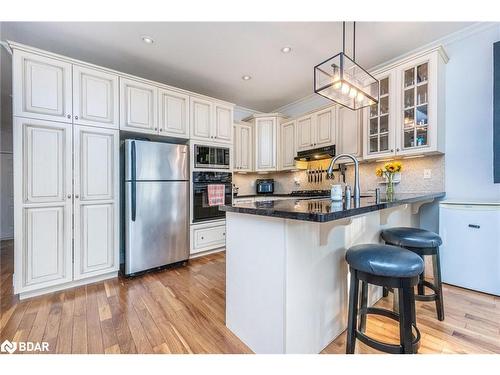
(66,173)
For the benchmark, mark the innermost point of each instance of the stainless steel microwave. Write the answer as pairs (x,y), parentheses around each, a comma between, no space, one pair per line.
(211,157)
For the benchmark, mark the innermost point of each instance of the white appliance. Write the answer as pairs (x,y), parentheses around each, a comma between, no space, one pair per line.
(470,254)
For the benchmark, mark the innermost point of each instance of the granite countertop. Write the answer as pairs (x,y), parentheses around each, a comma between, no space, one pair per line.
(262,195)
(324,209)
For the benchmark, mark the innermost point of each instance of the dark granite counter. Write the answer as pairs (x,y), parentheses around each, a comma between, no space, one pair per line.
(324,209)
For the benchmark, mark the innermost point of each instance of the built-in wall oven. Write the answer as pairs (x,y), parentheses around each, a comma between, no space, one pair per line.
(211,157)
(202,211)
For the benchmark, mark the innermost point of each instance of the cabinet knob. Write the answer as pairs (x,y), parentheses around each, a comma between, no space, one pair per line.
(156,129)
(68,116)
(202,238)
(161,129)
(397,149)
(392,150)
(69,196)
(76,117)
(77,196)
(224,234)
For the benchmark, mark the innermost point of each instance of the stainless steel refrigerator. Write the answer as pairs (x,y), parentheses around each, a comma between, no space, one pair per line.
(156,205)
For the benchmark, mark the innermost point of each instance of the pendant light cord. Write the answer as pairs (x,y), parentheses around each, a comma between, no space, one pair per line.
(343,37)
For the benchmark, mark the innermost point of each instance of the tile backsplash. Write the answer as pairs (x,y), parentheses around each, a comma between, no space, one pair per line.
(412,177)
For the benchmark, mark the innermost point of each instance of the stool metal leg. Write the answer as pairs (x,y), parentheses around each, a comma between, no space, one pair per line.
(364,305)
(353,313)
(436,265)
(420,287)
(406,318)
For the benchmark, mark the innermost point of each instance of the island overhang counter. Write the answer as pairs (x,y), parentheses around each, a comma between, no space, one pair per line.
(286,277)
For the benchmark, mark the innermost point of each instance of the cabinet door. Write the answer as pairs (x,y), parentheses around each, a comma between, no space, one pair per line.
(417,118)
(325,128)
(96,201)
(305,133)
(245,144)
(41,87)
(43,203)
(287,148)
(201,118)
(379,121)
(174,114)
(138,106)
(95,97)
(265,144)
(236,146)
(223,124)
(349,132)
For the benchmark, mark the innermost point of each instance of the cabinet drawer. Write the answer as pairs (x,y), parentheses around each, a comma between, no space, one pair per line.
(208,237)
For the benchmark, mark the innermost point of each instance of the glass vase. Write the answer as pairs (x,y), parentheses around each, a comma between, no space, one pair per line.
(390,185)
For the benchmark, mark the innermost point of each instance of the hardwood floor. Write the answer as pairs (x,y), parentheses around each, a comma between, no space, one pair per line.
(182,311)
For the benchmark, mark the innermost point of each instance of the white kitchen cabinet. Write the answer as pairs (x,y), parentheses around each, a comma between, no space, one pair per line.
(201,118)
(287,149)
(95,97)
(349,132)
(409,118)
(223,123)
(96,210)
(266,135)
(173,113)
(211,121)
(207,236)
(41,87)
(243,145)
(138,106)
(316,129)
(43,203)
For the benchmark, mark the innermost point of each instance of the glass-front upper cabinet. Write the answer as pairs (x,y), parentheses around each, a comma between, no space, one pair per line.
(378,125)
(421,107)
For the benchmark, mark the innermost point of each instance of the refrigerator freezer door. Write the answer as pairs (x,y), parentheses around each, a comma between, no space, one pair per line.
(154,161)
(159,235)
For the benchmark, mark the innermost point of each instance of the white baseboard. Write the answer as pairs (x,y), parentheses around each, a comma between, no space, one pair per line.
(203,253)
(72,284)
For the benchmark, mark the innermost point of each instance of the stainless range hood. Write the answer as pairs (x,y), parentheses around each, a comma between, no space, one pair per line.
(326,152)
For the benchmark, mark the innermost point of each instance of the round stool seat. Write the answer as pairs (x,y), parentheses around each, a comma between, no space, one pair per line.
(384,260)
(411,237)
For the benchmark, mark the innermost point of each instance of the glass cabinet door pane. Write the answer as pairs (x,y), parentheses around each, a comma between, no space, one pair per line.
(422,136)
(374,90)
(422,74)
(409,138)
(409,77)
(373,110)
(384,124)
(384,86)
(422,115)
(374,125)
(422,94)
(409,98)
(374,144)
(384,142)
(384,105)
(409,118)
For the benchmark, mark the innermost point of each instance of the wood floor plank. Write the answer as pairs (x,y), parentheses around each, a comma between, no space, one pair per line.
(182,310)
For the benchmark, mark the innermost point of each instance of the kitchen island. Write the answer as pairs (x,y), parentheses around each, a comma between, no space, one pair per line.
(286,277)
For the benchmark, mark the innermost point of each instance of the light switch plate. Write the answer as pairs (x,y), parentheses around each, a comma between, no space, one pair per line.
(427,174)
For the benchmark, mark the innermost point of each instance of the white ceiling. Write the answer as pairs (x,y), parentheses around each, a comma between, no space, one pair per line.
(211,57)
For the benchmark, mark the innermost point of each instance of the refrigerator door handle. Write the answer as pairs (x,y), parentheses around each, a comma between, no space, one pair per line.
(133,182)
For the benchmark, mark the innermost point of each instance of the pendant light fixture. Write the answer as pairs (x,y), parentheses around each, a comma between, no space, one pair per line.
(343,81)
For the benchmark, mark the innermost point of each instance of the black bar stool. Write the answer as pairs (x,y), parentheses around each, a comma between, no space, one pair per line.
(421,242)
(391,267)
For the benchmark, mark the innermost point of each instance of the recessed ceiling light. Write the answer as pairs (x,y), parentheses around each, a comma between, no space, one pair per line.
(246,78)
(286,49)
(147,39)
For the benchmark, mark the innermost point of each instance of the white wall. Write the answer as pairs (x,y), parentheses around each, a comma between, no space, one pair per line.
(469,118)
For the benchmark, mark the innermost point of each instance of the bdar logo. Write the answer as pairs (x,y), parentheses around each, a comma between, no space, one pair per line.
(8,347)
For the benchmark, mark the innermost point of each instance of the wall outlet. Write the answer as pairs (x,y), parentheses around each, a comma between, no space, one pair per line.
(427,174)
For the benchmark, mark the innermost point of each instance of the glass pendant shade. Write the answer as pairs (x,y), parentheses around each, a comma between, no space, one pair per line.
(343,81)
